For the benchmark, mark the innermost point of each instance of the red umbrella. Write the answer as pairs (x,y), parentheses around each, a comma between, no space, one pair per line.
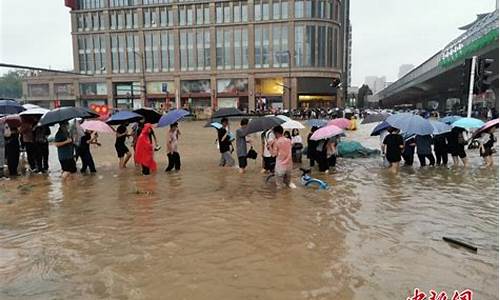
(11,120)
(485,127)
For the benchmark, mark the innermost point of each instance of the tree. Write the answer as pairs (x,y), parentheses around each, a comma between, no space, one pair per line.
(11,84)
(363,91)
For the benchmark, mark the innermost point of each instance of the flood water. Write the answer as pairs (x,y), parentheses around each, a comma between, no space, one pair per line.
(211,233)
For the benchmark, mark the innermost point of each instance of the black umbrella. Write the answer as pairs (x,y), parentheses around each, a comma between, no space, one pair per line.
(375,118)
(261,124)
(227,112)
(64,114)
(150,115)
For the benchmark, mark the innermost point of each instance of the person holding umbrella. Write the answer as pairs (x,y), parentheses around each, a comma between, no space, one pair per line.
(42,145)
(121,149)
(64,145)
(226,159)
(456,146)
(28,142)
(88,138)
(393,145)
(174,159)
(424,149)
(241,146)
(12,149)
(311,147)
(441,149)
(487,141)
(144,152)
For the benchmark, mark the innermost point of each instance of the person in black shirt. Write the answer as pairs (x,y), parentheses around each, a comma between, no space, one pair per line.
(456,146)
(84,151)
(311,147)
(226,159)
(12,151)
(393,145)
(121,149)
(409,151)
(441,149)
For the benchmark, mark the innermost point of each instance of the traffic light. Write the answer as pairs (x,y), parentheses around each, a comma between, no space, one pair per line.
(465,84)
(482,84)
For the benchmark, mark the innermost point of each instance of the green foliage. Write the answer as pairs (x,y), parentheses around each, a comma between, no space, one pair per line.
(11,84)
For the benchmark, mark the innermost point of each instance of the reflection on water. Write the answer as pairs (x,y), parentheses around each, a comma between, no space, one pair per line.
(210,233)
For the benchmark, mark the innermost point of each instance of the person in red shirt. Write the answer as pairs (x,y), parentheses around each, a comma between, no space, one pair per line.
(144,151)
(281,147)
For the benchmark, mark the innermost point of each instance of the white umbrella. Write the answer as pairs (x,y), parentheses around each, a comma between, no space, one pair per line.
(34,112)
(289,123)
(30,106)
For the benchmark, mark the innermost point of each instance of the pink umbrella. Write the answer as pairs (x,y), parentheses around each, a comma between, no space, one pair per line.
(326,132)
(485,127)
(341,123)
(97,126)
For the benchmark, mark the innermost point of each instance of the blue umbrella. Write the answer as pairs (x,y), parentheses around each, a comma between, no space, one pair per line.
(9,107)
(440,127)
(468,123)
(172,116)
(379,128)
(410,124)
(317,122)
(123,117)
(450,119)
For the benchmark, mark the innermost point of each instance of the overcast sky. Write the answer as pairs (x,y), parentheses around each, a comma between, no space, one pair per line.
(386,33)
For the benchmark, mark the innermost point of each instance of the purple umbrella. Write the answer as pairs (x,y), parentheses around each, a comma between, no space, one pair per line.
(9,107)
(326,132)
(172,117)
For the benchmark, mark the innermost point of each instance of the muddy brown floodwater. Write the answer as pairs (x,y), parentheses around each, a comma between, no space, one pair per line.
(207,233)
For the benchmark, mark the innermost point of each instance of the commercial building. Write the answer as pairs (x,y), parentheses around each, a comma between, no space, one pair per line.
(375,83)
(202,54)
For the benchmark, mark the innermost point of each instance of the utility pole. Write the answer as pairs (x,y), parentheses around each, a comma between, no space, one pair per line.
(471,86)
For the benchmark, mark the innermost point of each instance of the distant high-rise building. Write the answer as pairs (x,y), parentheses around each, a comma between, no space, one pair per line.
(375,83)
(405,69)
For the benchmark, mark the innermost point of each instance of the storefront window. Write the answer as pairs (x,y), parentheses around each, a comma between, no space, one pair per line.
(63,89)
(195,86)
(93,89)
(232,86)
(38,90)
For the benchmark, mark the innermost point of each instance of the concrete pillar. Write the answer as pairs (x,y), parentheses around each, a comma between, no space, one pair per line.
(177,81)
(251,92)
(295,97)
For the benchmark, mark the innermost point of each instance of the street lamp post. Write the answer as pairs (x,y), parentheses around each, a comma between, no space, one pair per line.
(143,69)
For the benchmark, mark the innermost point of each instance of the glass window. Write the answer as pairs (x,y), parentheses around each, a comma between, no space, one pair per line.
(183,50)
(199,50)
(335,48)
(284,9)
(147,18)
(276,10)
(148,51)
(207,49)
(199,14)
(278,54)
(299,46)
(206,14)
(236,12)
(265,10)
(237,48)
(95,21)
(130,54)
(136,20)
(299,9)
(114,54)
(321,46)
(219,55)
(219,13)
(190,11)
(190,44)
(227,48)
(257,11)
(121,52)
(329,47)
(310,46)
(244,46)
(265,47)
(258,46)
(227,13)
(121,20)
(244,12)
(308,9)
(182,15)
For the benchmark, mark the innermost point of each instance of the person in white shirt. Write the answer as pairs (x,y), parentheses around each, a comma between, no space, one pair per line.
(269,161)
